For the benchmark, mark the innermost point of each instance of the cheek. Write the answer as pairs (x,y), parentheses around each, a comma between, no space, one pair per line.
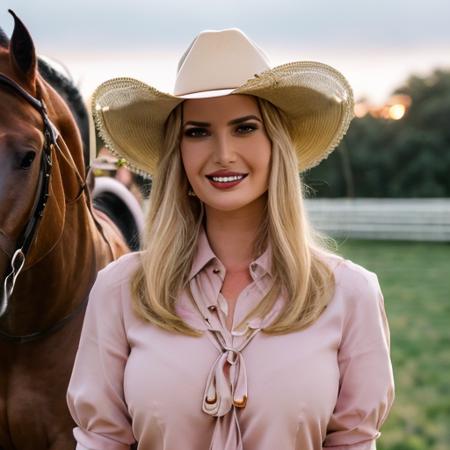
(184,160)
(262,153)
(191,161)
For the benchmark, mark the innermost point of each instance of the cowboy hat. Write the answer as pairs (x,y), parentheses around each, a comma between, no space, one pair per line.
(316,99)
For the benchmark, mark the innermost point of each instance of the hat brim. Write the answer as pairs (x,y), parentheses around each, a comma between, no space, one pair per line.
(316,99)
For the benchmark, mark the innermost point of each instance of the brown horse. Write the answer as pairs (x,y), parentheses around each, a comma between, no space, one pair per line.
(48,226)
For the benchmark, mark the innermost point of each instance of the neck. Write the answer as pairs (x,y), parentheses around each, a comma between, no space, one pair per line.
(232,234)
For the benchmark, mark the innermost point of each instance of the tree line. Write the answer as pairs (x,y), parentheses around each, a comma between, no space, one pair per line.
(405,158)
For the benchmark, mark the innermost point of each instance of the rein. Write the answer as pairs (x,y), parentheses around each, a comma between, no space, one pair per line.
(22,339)
(17,250)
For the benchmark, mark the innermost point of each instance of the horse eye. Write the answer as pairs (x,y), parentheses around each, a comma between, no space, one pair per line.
(27,160)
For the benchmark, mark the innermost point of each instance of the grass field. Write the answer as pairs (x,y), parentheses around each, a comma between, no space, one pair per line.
(415,279)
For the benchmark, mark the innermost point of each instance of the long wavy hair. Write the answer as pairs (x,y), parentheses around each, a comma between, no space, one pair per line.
(174,221)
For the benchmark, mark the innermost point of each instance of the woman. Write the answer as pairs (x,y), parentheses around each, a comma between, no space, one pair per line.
(234,327)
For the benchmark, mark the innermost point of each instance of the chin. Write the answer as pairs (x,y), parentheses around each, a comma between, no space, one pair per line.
(229,208)
(228,205)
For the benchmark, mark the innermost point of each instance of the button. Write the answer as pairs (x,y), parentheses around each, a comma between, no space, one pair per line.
(253,266)
(212,308)
(240,403)
(211,401)
(216,270)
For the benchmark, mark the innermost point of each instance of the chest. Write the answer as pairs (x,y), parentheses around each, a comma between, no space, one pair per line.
(295,375)
(232,286)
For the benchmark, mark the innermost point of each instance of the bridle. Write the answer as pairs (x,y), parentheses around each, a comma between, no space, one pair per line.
(17,249)
(17,252)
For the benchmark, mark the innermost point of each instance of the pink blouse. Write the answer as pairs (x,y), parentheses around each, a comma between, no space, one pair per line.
(328,386)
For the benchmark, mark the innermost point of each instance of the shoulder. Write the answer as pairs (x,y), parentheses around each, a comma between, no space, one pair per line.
(120,270)
(115,276)
(353,282)
(108,292)
(349,273)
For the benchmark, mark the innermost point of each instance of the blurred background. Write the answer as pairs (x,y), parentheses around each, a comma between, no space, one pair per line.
(384,194)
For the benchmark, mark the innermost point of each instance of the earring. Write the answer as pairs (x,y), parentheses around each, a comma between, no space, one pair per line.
(191,192)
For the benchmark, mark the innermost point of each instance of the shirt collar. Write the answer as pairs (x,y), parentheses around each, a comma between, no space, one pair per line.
(204,255)
(263,263)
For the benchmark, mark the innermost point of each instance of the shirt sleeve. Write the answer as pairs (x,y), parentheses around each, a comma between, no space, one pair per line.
(95,394)
(366,384)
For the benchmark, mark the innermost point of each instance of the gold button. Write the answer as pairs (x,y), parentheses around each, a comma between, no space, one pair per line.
(211,401)
(240,403)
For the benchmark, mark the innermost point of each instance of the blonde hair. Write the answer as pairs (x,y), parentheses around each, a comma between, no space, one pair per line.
(175,219)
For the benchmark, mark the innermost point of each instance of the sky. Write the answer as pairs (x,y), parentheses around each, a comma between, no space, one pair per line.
(377,45)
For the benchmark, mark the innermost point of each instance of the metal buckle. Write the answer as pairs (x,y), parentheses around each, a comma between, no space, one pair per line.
(17,263)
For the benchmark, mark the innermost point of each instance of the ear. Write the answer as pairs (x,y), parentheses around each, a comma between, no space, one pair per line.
(4,41)
(21,51)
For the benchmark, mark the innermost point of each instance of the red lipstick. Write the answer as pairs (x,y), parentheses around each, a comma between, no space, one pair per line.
(225,179)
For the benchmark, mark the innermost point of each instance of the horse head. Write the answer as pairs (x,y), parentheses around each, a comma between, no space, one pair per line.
(47,217)
(36,131)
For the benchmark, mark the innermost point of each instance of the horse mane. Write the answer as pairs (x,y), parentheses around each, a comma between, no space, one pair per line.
(72,96)
(4,40)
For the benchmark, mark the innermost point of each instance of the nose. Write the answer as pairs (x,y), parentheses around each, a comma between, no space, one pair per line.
(223,149)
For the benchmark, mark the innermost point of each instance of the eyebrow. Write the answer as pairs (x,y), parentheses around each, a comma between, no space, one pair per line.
(231,122)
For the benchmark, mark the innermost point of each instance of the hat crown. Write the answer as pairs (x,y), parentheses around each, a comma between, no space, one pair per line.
(315,98)
(218,60)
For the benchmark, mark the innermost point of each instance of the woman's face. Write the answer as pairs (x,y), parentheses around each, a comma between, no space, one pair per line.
(225,151)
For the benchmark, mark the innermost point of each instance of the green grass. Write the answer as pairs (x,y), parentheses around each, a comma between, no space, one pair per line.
(415,280)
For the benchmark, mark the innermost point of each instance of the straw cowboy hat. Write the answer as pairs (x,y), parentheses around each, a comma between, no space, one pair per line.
(316,99)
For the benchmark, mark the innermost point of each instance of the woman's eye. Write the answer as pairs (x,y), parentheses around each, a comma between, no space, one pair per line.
(196,132)
(246,128)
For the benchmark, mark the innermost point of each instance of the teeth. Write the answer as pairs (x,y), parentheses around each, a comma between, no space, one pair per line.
(227,179)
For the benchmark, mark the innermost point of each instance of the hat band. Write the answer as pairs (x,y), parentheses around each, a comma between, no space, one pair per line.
(207,94)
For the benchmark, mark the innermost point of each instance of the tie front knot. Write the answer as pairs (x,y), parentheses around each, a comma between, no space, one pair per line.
(226,384)
(232,355)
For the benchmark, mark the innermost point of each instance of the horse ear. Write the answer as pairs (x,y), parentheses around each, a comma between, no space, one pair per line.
(4,41)
(21,50)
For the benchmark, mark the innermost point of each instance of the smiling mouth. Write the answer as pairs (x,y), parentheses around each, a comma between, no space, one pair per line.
(229,179)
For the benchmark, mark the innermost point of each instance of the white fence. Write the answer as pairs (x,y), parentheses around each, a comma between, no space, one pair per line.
(400,219)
